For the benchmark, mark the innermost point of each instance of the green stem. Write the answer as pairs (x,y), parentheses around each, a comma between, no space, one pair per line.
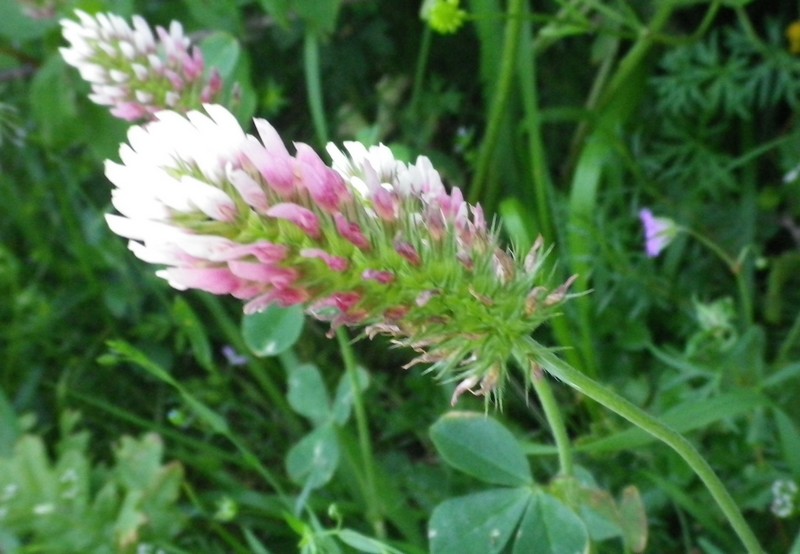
(622,407)
(314,86)
(734,266)
(508,67)
(540,177)
(419,74)
(553,415)
(367,457)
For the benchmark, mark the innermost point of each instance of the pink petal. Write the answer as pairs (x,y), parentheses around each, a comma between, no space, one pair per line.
(335,263)
(279,277)
(283,297)
(215,280)
(351,232)
(325,186)
(300,216)
(383,277)
(408,252)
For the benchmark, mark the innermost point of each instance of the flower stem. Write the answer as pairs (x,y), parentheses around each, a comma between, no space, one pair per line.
(734,266)
(508,68)
(554,419)
(313,85)
(367,458)
(617,404)
(422,63)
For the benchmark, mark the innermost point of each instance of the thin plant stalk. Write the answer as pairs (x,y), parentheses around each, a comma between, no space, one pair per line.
(314,85)
(622,407)
(508,67)
(422,64)
(364,443)
(734,266)
(554,419)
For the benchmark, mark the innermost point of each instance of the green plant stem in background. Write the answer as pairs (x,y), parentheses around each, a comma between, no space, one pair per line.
(508,68)
(314,85)
(553,415)
(374,513)
(622,407)
(734,266)
(539,174)
(422,64)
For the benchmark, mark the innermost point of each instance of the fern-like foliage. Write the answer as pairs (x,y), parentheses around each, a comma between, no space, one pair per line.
(729,73)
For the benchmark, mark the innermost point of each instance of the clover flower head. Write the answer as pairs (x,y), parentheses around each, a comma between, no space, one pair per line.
(135,71)
(443,16)
(658,232)
(369,241)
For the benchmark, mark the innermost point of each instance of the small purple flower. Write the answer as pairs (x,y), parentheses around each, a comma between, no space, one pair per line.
(232,356)
(658,232)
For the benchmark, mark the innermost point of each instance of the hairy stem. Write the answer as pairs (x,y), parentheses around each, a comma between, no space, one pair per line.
(617,404)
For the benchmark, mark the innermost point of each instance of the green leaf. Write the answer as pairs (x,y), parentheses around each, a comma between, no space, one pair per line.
(278,9)
(9,426)
(550,527)
(796,546)
(53,104)
(255,545)
(344,394)
(16,26)
(307,394)
(481,523)
(518,222)
(313,460)
(599,513)
(478,445)
(221,52)
(216,14)
(790,440)
(363,543)
(319,15)
(188,322)
(272,331)
(633,519)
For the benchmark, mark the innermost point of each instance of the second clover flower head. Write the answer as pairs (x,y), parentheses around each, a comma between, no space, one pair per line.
(370,241)
(135,71)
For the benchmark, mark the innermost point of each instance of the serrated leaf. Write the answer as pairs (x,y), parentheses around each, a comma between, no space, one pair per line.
(481,523)
(313,460)
(307,394)
(478,445)
(550,527)
(272,331)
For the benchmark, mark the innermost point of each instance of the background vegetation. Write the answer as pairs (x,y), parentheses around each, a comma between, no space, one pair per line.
(564,120)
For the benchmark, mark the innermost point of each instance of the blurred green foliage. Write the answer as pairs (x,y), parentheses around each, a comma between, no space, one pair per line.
(689,108)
